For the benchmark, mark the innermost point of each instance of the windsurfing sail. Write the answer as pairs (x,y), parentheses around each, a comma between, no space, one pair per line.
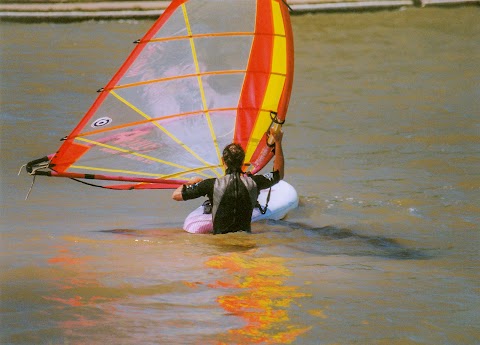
(207,73)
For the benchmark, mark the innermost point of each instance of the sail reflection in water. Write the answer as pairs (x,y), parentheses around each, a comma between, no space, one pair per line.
(258,295)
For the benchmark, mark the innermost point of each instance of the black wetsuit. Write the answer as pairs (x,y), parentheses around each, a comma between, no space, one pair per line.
(233,196)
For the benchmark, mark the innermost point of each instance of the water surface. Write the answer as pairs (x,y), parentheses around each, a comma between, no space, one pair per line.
(382,144)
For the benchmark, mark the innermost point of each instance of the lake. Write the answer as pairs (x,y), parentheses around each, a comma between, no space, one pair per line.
(382,143)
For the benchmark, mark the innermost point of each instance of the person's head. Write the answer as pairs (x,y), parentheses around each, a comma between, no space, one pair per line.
(233,156)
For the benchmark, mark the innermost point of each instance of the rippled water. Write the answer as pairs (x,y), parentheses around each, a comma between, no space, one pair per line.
(382,144)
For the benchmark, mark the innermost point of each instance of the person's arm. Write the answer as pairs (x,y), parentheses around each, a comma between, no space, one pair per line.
(177,193)
(279,162)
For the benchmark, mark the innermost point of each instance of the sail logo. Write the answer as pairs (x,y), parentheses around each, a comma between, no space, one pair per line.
(103,121)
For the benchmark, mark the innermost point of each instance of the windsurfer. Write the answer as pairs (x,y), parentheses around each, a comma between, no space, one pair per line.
(234,196)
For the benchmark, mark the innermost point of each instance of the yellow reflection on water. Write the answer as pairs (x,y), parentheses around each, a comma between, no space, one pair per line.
(260,297)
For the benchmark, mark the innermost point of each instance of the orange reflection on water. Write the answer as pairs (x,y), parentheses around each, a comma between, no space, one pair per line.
(77,287)
(262,299)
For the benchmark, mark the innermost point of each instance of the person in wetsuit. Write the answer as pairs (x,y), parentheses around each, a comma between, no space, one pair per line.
(234,196)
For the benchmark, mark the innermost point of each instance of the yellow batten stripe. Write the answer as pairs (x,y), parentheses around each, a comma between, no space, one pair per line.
(138,123)
(117,171)
(119,149)
(184,168)
(275,84)
(200,85)
(130,105)
(196,170)
(163,129)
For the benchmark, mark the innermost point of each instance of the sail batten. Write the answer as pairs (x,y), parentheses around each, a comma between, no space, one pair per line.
(194,75)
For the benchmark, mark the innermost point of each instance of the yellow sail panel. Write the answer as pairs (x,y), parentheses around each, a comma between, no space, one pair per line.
(278,25)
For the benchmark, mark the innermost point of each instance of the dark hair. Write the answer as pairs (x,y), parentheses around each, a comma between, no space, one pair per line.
(233,156)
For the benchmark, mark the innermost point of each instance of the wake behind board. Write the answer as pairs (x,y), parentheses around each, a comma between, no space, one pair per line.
(283,199)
